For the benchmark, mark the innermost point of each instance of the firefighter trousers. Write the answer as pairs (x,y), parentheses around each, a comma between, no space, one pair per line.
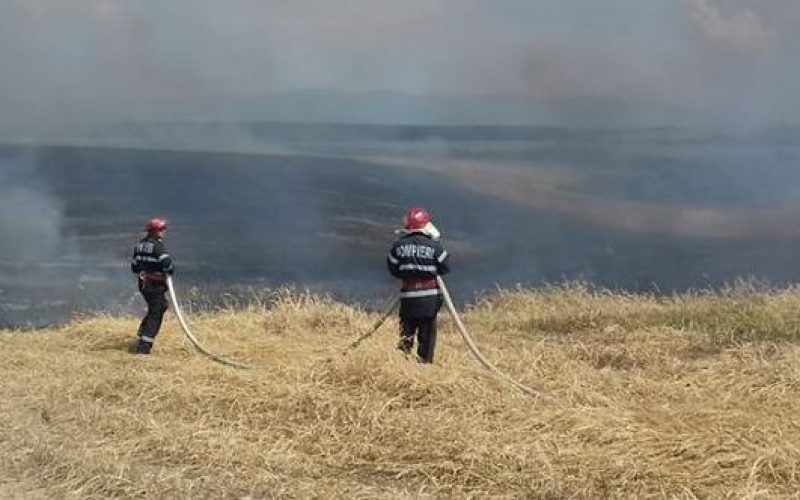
(425,331)
(151,323)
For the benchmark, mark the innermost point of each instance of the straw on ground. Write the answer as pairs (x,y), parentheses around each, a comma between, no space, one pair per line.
(695,395)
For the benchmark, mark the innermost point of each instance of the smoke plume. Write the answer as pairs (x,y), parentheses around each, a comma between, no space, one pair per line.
(31,218)
(742,30)
(692,62)
(202,75)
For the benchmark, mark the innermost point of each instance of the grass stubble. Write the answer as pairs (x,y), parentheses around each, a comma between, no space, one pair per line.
(688,396)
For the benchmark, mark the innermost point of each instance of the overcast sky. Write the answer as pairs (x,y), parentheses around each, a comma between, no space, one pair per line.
(573,61)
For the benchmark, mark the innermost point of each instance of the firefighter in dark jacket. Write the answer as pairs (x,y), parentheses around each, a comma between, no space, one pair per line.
(151,263)
(417,257)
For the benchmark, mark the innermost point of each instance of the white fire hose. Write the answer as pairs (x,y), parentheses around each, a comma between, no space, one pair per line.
(192,339)
(473,347)
(393,304)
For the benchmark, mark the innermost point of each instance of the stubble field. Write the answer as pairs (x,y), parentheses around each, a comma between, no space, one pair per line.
(674,397)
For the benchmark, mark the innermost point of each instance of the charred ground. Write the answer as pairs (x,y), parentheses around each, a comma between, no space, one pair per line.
(314,206)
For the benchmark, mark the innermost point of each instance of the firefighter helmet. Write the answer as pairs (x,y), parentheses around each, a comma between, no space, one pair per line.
(416,218)
(156,225)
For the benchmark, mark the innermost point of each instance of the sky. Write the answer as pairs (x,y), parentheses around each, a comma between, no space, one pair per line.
(544,62)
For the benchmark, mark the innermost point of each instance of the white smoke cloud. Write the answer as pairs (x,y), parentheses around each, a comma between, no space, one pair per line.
(70,60)
(30,218)
(741,30)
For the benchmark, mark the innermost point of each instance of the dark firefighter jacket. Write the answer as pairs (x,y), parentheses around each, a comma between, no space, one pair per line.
(152,263)
(417,259)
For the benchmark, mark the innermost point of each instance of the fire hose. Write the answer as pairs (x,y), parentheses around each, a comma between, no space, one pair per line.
(473,347)
(192,339)
(393,303)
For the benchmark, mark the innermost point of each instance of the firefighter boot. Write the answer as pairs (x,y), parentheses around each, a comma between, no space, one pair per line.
(405,344)
(144,346)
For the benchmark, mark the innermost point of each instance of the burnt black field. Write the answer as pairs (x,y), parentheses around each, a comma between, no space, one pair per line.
(317,213)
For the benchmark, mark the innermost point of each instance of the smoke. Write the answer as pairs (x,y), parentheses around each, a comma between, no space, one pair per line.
(185,75)
(615,63)
(741,31)
(31,218)
(38,278)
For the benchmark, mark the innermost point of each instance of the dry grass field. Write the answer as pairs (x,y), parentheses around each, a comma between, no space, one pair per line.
(693,396)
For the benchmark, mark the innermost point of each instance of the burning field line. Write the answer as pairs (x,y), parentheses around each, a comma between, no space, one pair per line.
(694,395)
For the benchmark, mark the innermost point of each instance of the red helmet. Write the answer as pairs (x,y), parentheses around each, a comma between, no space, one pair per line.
(416,218)
(155,225)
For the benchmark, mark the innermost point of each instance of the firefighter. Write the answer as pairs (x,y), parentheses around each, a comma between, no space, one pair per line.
(417,257)
(151,263)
